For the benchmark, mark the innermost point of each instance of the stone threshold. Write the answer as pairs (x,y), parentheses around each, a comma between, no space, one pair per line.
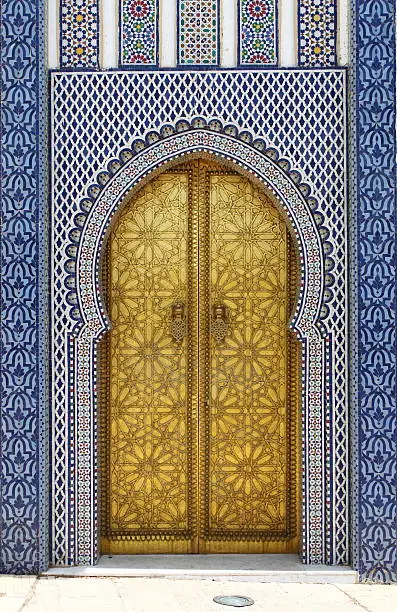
(253,568)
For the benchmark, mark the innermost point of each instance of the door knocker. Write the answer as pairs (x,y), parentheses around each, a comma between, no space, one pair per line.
(178,321)
(219,324)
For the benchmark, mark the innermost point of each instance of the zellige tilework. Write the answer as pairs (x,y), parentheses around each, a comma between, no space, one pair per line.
(317,33)
(79,33)
(143,103)
(373,282)
(25,355)
(198,32)
(257,32)
(138,32)
(24,406)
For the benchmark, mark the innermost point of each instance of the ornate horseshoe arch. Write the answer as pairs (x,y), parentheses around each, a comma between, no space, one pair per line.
(309,320)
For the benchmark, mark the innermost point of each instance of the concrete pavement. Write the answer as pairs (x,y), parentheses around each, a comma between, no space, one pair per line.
(50,594)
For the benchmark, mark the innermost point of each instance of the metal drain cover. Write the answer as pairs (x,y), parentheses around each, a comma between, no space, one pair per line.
(238,601)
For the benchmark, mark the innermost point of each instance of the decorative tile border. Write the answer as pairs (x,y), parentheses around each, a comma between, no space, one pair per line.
(317,31)
(142,100)
(258,32)
(373,277)
(89,236)
(24,495)
(139,33)
(79,33)
(198,32)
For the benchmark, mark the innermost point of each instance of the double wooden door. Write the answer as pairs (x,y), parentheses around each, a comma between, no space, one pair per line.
(198,374)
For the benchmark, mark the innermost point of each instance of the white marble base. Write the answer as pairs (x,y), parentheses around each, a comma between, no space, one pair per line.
(255,568)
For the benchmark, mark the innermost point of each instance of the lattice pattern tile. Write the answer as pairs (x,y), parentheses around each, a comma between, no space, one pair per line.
(79,33)
(317,33)
(257,32)
(198,32)
(310,133)
(138,32)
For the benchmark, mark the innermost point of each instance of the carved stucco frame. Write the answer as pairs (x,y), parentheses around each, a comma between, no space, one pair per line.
(86,244)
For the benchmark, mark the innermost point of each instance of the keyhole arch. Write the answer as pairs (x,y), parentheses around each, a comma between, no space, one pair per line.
(233,166)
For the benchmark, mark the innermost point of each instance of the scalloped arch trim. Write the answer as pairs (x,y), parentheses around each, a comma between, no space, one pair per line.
(105,186)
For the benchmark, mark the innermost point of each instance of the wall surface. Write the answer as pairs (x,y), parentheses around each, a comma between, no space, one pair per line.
(25,357)
(302,121)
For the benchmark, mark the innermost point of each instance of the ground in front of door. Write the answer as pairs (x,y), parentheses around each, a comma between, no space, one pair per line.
(31,594)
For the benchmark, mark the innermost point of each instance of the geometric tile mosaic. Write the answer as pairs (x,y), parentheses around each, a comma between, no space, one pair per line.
(257,38)
(138,32)
(311,135)
(79,33)
(373,285)
(317,31)
(198,32)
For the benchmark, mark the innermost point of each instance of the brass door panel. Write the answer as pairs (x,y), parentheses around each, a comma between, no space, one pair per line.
(151,403)
(199,395)
(247,441)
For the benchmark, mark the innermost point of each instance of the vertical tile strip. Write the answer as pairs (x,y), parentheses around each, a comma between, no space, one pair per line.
(373,277)
(258,32)
(79,30)
(317,30)
(198,32)
(24,315)
(139,33)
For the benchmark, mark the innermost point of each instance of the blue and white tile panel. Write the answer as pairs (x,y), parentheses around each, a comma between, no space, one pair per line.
(373,276)
(24,495)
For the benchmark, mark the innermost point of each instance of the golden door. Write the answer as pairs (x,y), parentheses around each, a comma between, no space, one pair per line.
(199,393)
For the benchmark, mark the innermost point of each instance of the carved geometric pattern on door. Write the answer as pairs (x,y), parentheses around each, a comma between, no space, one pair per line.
(249,457)
(148,403)
(245,461)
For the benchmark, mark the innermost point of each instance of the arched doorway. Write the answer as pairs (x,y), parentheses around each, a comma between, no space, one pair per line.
(199,373)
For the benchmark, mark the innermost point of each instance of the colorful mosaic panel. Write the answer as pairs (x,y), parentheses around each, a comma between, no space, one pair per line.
(79,33)
(198,32)
(317,33)
(258,32)
(138,32)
